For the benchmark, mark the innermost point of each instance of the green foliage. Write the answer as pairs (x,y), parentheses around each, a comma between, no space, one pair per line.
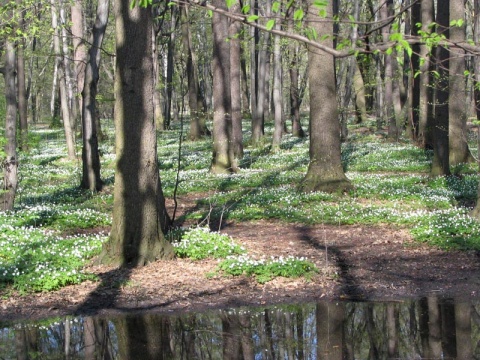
(200,243)
(265,270)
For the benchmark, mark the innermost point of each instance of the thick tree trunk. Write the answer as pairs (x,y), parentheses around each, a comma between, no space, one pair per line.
(457,109)
(440,163)
(10,165)
(325,171)
(90,157)
(235,85)
(139,213)
(223,160)
(476,37)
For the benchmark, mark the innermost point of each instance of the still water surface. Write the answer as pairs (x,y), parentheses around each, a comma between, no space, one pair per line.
(429,328)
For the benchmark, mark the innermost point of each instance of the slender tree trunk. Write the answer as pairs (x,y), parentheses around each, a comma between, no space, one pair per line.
(325,171)
(389,105)
(90,157)
(222,161)
(277,90)
(293,72)
(10,164)
(235,86)
(21,88)
(69,134)
(67,68)
(170,68)
(79,48)
(244,81)
(139,213)
(360,98)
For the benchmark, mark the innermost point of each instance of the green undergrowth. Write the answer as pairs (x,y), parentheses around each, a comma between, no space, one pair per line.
(200,243)
(56,228)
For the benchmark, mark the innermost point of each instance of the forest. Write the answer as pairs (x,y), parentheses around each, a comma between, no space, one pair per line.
(243,139)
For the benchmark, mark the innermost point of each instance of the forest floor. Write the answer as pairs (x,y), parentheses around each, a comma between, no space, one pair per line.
(361,263)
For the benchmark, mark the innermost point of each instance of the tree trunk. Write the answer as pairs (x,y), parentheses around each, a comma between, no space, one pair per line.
(170,68)
(463,329)
(197,126)
(223,161)
(476,37)
(79,48)
(360,99)
(277,90)
(139,213)
(90,157)
(21,88)
(330,317)
(440,163)
(457,104)
(388,60)
(69,134)
(297,130)
(325,171)
(10,164)
(235,85)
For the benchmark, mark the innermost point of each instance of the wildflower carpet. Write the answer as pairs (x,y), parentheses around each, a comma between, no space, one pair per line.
(353,262)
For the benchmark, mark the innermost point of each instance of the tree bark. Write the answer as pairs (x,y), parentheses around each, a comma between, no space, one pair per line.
(21,88)
(69,134)
(223,161)
(90,157)
(235,85)
(79,48)
(277,90)
(440,163)
(457,105)
(197,126)
(297,130)
(10,164)
(139,213)
(325,171)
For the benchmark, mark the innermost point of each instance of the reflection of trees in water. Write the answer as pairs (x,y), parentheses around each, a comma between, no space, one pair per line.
(429,328)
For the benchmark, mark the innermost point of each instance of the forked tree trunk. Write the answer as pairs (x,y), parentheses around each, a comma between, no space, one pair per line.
(325,171)
(139,213)
(90,157)
(10,165)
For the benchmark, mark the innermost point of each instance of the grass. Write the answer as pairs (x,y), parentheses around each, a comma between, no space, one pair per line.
(56,228)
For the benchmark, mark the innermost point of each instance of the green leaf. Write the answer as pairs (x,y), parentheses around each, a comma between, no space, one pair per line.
(276,7)
(246,9)
(389,51)
(270,24)
(252,18)
(230,3)
(298,15)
